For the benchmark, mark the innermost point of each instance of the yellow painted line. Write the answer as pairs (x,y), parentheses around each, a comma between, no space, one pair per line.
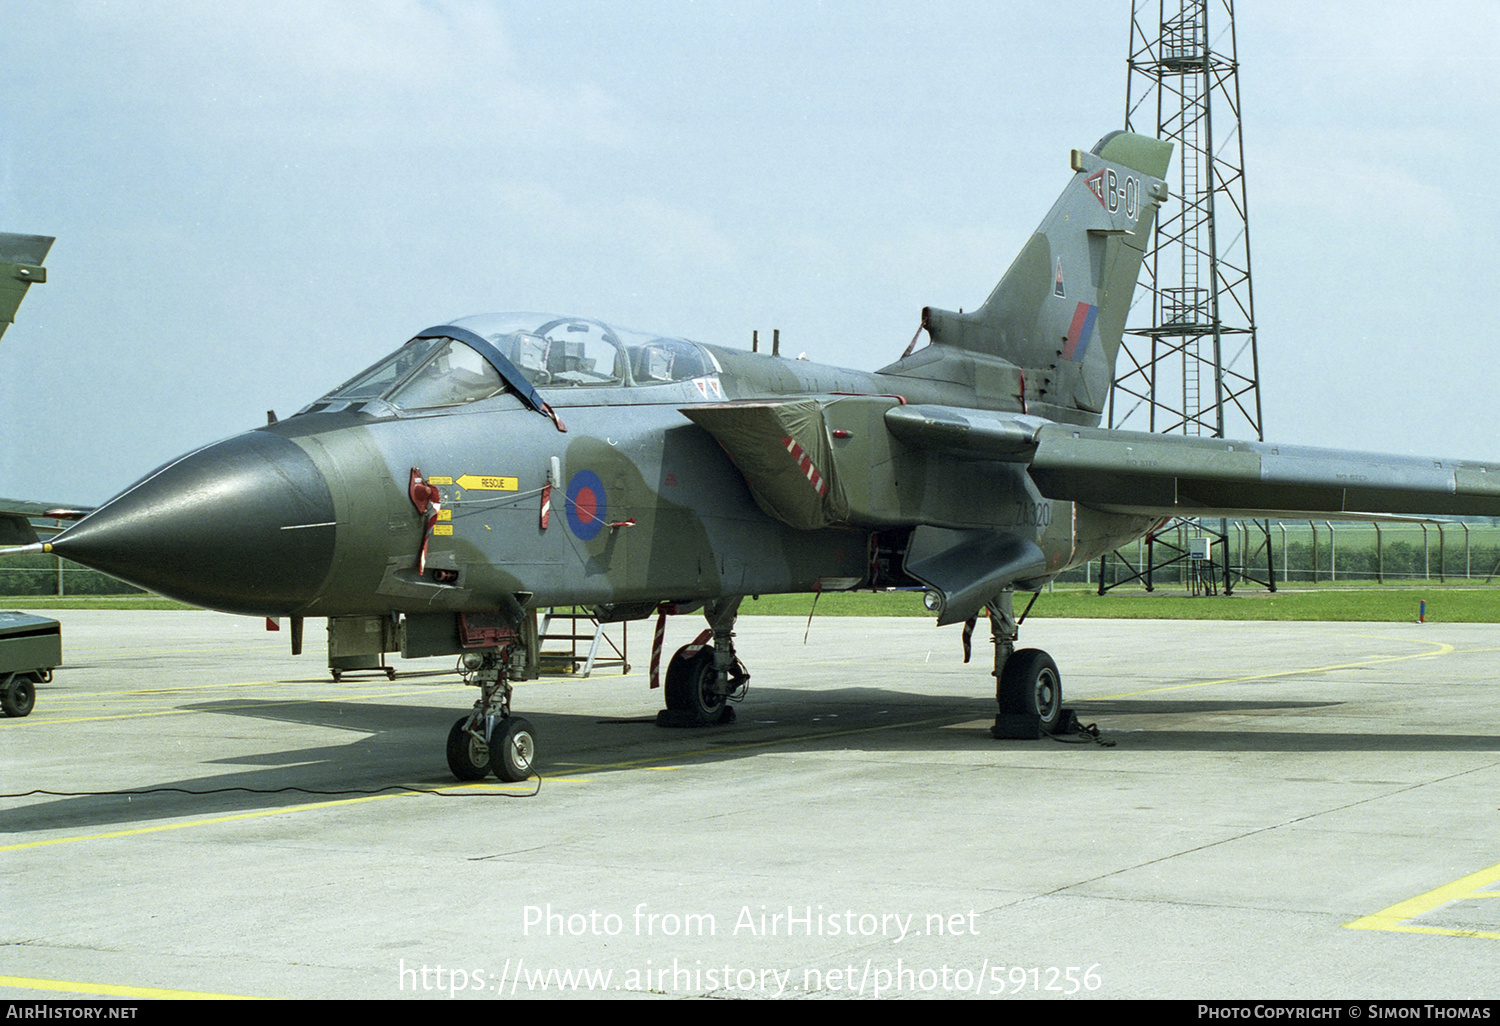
(113,990)
(138,831)
(15,724)
(567,776)
(1397,918)
(47,721)
(97,695)
(1439,649)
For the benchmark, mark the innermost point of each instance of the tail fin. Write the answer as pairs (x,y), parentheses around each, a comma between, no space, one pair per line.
(1058,313)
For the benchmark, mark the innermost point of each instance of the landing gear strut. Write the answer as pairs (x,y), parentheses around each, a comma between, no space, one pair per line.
(702,678)
(1028,688)
(490,739)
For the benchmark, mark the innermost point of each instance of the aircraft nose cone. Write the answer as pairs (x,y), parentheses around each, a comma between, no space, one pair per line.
(244,525)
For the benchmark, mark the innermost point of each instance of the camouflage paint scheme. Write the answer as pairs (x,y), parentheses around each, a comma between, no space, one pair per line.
(694,475)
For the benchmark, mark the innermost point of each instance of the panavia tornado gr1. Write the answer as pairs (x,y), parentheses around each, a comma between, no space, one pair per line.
(505,463)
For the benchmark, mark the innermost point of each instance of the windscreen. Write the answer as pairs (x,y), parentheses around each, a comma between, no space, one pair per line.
(425,373)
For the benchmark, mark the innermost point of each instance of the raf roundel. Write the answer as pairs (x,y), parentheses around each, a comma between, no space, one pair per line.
(586,504)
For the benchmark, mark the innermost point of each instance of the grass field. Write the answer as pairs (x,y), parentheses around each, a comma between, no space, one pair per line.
(89,602)
(1444,604)
(1450,604)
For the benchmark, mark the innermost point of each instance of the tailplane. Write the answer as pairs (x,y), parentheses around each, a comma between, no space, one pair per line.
(1054,321)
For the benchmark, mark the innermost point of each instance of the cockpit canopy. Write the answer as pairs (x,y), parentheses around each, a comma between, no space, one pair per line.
(478,357)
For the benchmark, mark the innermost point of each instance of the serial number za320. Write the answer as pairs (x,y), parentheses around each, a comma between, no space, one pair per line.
(1069,980)
(1031,514)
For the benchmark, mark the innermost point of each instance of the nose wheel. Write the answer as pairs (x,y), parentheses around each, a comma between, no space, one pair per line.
(509,753)
(512,748)
(468,753)
(489,739)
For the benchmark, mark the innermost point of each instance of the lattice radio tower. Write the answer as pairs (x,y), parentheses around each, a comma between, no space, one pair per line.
(1190,364)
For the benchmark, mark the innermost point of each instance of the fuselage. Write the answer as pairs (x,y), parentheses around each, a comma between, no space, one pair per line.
(314,516)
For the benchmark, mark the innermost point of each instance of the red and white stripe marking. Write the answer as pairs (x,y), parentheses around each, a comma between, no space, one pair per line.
(546,505)
(805,464)
(661,629)
(688,651)
(435,508)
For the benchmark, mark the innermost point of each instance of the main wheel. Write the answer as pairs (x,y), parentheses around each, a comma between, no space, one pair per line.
(18,696)
(1034,675)
(692,686)
(468,757)
(513,748)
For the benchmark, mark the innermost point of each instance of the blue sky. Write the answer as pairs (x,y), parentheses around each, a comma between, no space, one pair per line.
(254,200)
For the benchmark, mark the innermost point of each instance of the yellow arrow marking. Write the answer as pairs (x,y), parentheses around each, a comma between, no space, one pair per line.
(472,482)
(1398,918)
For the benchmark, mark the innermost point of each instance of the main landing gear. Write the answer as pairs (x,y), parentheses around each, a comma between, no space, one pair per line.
(489,739)
(703,678)
(1028,687)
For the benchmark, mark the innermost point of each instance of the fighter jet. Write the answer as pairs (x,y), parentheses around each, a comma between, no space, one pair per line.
(504,463)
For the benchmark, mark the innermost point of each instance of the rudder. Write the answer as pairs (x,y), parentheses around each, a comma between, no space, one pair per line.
(1060,309)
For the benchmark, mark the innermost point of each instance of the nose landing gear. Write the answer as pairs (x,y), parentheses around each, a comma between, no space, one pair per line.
(490,739)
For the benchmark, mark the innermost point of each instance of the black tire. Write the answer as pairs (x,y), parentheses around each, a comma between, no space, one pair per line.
(468,757)
(690,686)
(1034,675)
(513,749)
(18,696)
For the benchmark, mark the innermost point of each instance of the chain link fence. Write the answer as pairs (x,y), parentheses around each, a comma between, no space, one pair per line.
(1303,552)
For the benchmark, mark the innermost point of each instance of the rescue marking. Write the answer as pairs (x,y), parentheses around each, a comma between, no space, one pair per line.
(476,483)
(805,464)
(1057,289)
(1398,918)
